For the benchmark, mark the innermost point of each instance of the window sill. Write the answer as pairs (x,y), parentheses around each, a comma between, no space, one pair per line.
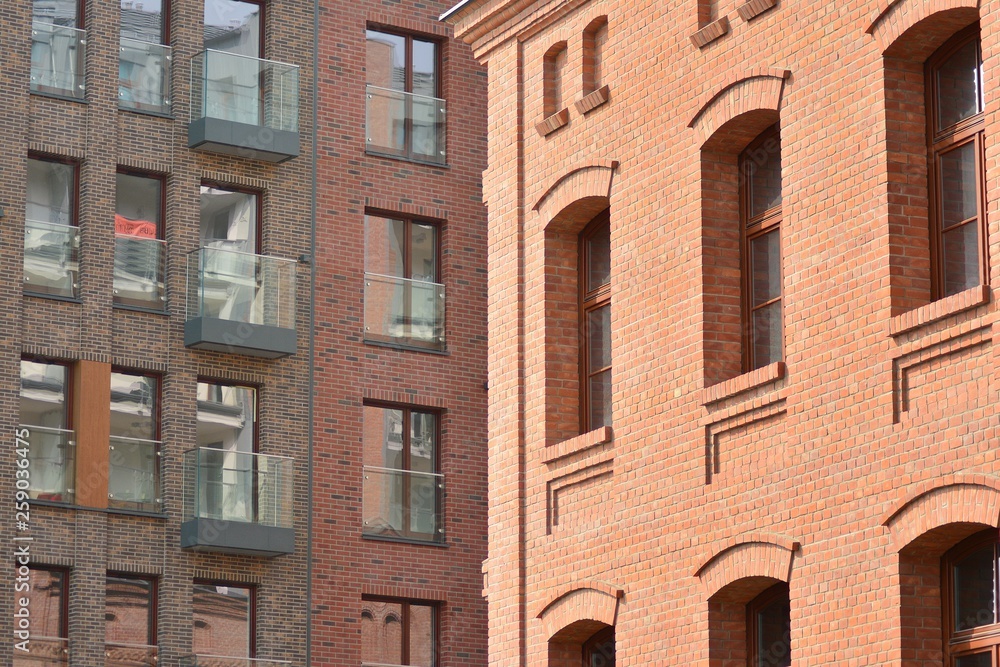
(403,158)
(57,96)
(593,100)
(407,348)
(754,8)
(126,512)
(710,33)
(939,310)
(575,445)
(140,309)
(743,383)
(148,112)
(405,540)
(553,122)
(52,297)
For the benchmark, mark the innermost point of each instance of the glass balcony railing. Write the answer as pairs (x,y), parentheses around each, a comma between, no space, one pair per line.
(402,503)
(223,661)
(43,652)
(51,463)
(51,258)
(130,655)
(405,124)
(57,60)
(134,474)
(144,76)
(138,273)
(238,486)
(241,287)
(404,311)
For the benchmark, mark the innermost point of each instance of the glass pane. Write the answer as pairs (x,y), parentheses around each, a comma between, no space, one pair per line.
(233,26)
(221,616)
(599,257)
(977,660)
(774,635)
(227,423)
(385,245)
(960,257)
(383,437)
(142,20)
(763,171)
(765,268)
(973,582)
(425,68)
(138,204)
(133,406)
(766,335)
(600,399)
(47,588)
(228,220)
(386,63)
(43,395)
(423,487)
(56,12)
(381,632)
(423,260)
(51,190)
(423,436)
(128,607)
(599,338)
(958,86)
(958,185)
(603,653)
(421,635)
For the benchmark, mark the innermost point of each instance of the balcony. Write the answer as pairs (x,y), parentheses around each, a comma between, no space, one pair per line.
(237,503)
(134,475)
(51,463)
(244,106)
(58,54)
(144,76)
(138,272)
(44,652)
(129,655)
(240,303)
(51,259)
(405,125)
(404,312)
(223,661)
(402,504)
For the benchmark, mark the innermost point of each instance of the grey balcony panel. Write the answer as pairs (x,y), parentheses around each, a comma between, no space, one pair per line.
(232,337)
(256,142)
(236,537)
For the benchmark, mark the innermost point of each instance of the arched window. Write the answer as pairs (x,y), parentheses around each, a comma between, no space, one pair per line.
(599,650)
(760,221)
(971,625)
(595,322)
(955,123)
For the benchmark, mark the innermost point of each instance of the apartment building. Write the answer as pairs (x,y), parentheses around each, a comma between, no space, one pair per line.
(741,316)
(156,201)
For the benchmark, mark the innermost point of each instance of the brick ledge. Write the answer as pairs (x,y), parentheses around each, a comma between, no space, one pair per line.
(575,445)
(742,383)
(591,101)
(939,310)
(710,33)
(553,122)
(754,8)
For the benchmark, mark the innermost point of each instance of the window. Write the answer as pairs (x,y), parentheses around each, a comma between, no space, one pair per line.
(51,243)
(49,618)
(144,60)
(404,300)
(234,81)
(599,650)
(970,613)
(134,463)
(760,217)
(224,620)
(230,233)
(595,314)
(769,628)
(957,174)
(227,439)
(555,70)
(398,633)
(139,245)
(130,621)
(402,487)
(46,426)
(57,48)
(405,115)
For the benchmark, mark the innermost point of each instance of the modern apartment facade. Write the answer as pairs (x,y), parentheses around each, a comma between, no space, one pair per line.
(742,311)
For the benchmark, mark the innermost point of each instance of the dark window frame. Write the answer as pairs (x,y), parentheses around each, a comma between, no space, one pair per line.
(410,219)
(64,600)
(940,142)
(68,390)
(773,593)
(160,234)
(590,300)
(752,228)
(981,639)
(598,638)
(252,616)
(153,581)
(405,603)
(71,162)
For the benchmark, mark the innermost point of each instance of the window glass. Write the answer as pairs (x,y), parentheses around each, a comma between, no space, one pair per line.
(423,252)
(385,246)
(397,633)
(48,603)
(233,26)
(133,476)
(421,635)
(974,589)
(133,405)
(142,20)
(128,614)
(599,258)
(45,413)
(599,650)
(774,634)
(51,192)
(227,417)
(43,395)
(138,205)
(228,220)
(425,68)
(976,660)
(595,349)
(222,620)
(138,274)
(386,63)
(959,85)
(56,12)
(763,168)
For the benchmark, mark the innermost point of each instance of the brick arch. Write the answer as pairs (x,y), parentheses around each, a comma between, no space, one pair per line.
(576,196)
(914,29)
(582,607)
(753,559)
(756,92)
(943,511)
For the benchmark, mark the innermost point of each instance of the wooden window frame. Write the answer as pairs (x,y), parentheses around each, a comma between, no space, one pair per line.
(752,228)
(939,142)
(598,638)
(981,639)
(772,594)
(252,616)
(590,300)
(405,624)
(153,611)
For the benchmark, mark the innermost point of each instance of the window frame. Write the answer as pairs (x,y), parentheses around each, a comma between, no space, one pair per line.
(595,640)
(222,382)
(157,418)
(64,600)
(74,213)
(152,635)
(752,228)
(68,390)
(983,638)
(591,300)
(940,142)
(160,233)
(242,189)
(771,594)
(405,603)
(251,617)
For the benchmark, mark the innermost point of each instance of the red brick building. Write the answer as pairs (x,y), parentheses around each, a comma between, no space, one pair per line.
(742,373)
